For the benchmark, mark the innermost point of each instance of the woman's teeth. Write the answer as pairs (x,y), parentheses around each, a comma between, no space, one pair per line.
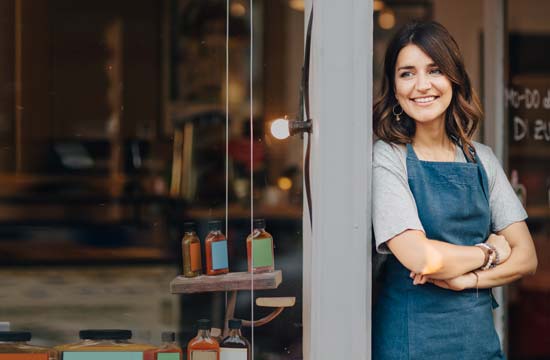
(424,100)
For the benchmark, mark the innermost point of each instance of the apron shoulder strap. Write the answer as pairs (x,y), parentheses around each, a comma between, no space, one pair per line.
(472,151)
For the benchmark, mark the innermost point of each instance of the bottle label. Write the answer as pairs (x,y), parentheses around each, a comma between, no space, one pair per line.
(233,354)
(195,256)
(219,255)
(168,356)
(102,355)
(204,355)
(24,357)
(262,250)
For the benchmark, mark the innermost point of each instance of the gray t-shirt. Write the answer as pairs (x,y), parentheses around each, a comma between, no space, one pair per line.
(394,207)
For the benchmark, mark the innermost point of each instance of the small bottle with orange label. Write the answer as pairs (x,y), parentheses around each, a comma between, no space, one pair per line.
(191,248)
(215,246)
(203,346)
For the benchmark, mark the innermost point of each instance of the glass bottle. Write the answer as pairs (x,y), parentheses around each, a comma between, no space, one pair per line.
(13,345)
(191,250)
(202,346)
(168,350)
(216,334)
(109,343)
(216,250)
(259,249)
(235,346)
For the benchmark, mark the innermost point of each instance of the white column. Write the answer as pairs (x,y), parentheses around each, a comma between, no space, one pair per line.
(495,124)
(337,253)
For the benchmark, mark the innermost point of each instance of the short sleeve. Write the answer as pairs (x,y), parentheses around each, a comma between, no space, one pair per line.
(394,208)
(506,208)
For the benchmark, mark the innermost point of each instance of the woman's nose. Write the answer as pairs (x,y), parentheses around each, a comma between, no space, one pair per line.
(423,83)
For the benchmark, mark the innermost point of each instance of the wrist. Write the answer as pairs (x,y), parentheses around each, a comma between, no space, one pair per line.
(492,257)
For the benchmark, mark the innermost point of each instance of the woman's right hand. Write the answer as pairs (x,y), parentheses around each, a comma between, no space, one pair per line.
(501,244)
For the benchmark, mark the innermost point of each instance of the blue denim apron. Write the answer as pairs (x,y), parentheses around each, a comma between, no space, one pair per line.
(426,322)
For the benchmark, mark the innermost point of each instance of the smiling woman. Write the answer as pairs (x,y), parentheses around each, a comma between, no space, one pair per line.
(421,89)
(436,208)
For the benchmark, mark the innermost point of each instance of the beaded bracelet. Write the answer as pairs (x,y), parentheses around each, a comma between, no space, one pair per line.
(491,256)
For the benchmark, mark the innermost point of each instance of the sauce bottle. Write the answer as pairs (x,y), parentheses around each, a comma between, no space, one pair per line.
(235,346)
(191,250)
(202,346)
(259,249)
(216,250)
(168,350)
(13,345)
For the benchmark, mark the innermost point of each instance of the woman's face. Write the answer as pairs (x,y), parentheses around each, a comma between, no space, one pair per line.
(421,89)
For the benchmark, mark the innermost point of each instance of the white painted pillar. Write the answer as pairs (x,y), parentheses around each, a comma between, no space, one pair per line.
(337,252)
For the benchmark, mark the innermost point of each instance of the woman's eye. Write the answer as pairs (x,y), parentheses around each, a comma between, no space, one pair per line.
(436,72)
(406,74)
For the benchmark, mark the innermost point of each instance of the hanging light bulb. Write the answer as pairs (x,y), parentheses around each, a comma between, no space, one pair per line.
(377,5)
(283,128)
(280,129)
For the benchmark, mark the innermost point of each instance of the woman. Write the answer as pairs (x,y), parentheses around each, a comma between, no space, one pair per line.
(443,208)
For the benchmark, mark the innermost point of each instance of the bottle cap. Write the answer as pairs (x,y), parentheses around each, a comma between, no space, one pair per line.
(235,323)
(15,336)
(189,226)
(259,223)
(105,334)
(214,225)
(204,324)
(168,336)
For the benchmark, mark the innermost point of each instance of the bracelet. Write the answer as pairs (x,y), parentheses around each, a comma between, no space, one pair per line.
(492,257)
(486,252)
(489,255)
(477,283)
(496,259)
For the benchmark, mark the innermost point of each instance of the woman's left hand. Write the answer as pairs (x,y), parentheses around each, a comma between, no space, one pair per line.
(459,283)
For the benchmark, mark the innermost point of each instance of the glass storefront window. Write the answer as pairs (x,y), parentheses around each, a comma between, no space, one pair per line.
(527,96)
(121,121)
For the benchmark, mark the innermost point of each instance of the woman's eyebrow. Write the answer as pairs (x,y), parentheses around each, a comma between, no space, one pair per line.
(410,67)
(407,67)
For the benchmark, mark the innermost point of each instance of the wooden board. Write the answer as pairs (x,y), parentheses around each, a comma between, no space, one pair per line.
(276,302)
(227,282)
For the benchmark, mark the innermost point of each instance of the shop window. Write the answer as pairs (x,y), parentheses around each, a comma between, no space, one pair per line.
(527,101)
(116,127)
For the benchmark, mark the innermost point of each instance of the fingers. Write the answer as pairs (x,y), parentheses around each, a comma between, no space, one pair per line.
(419,279)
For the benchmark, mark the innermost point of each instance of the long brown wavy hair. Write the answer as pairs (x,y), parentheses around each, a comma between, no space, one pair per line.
(464,112)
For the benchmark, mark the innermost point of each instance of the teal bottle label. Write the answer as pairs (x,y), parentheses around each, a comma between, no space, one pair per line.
(219,255)
(102,355)
(168,356)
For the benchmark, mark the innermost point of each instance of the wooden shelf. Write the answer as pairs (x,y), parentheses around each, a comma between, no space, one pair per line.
(228,282)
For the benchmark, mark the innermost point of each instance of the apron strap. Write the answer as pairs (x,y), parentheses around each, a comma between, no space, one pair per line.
(410,152)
